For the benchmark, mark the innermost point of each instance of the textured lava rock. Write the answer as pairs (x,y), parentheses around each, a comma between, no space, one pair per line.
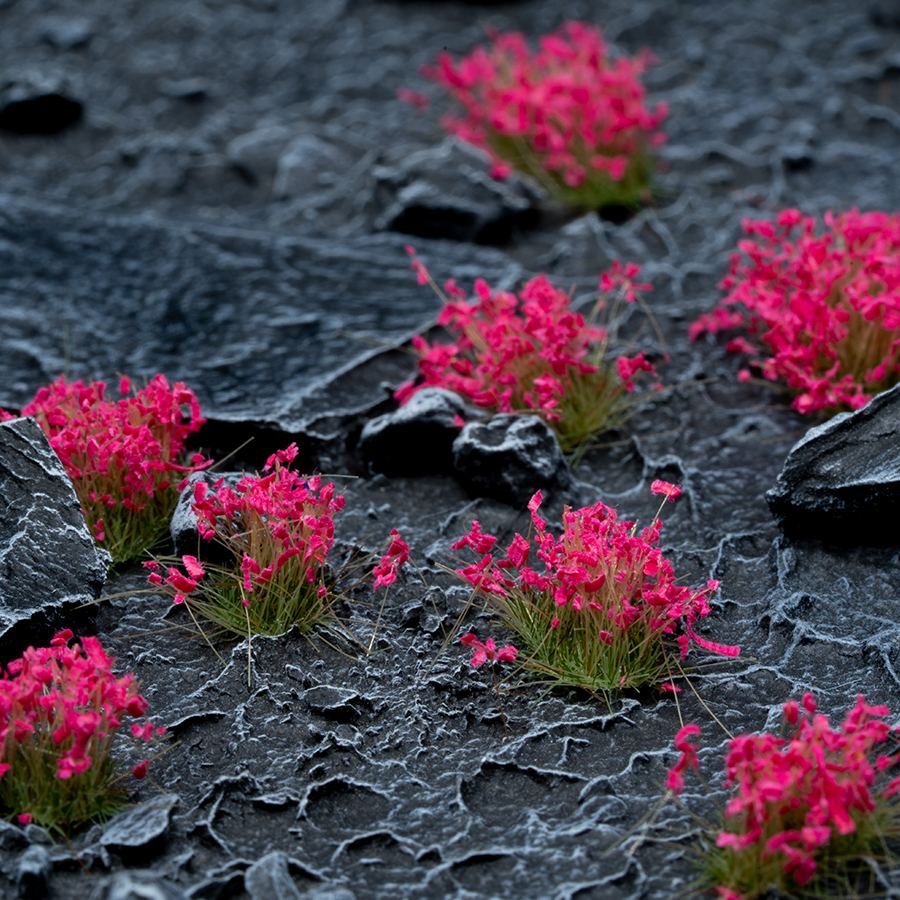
(306,163)
(256,153)
(418,436)
(137,884)
(434,788)
(33,872)
(137,827)
(843,478)
(270,878)
(445,192)
(277,320)
(509,457)
(37,104)
(48,560)
(66,33)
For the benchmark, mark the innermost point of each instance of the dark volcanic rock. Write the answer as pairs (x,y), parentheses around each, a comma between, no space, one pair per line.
(509,458)
(427,782)
(138,884)
(66,33)
(139,826)
(257,325)
(843,478)
(37,104)
(270,878)
(306,165)
(256,153)
(885,13)
(418,437)
(48,560)
(446,192)
(33,871)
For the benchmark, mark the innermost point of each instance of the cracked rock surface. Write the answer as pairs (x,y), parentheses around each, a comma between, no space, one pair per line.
(222,213)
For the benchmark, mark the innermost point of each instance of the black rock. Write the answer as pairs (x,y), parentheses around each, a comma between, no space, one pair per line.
(38,104)
(138,827)
(885,13)
(66,34)
(418,437)
(33,872)
(333,703)
(255,154)
(307,164)
(48,560)
(270,878)
(191,90)
(842,479)
(137,884)
(509,458)
(12,838)
(308,310)
(183,526)
(446,192)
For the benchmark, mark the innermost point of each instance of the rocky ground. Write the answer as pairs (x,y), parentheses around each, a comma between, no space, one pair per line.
(222,192)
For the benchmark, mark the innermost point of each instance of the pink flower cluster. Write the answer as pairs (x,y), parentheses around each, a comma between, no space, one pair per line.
(793,795)
(600,569)
(118,453)
(488,651)
(569,114)
(268,522)
(517,353)
(64,704)
(822,310)
(386,569)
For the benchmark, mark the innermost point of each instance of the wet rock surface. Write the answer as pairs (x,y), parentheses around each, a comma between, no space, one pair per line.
(181,227)
(842,479)
(48,562)
(509,457)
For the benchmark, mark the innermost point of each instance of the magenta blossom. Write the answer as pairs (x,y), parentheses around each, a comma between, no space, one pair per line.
(487,651)
(388,566)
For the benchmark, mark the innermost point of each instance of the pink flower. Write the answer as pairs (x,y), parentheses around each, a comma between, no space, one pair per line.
(487,651)
(622,278)
(628,367)
(276,528)
(600,578)
(385,571)
(687,760)
(578,113)
(665,489)
(525,352)
(120,454)
(821,311)
(193,568)
(413,98)
(793,796)
(64,705)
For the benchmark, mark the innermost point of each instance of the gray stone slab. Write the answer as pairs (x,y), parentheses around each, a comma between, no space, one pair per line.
(48,560)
